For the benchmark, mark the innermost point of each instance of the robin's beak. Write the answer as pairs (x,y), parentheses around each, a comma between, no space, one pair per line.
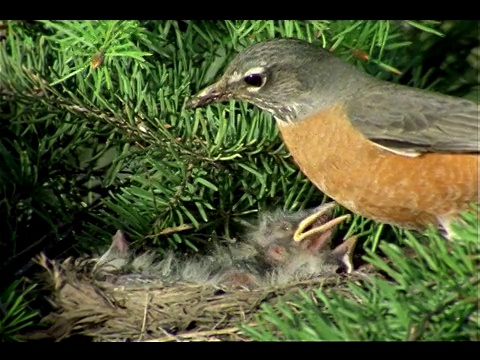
(214,93)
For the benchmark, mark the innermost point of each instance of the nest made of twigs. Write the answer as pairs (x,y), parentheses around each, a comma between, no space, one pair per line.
(153,311)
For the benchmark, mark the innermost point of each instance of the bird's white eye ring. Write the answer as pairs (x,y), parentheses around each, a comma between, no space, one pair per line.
(255,80)
(255,77)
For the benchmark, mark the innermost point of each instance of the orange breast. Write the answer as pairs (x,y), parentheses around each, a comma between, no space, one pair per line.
(373,182)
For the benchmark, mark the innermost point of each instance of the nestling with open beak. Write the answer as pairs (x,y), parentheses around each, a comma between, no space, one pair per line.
(267,256)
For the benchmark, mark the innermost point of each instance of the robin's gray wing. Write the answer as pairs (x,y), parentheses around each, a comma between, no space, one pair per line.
(407,121)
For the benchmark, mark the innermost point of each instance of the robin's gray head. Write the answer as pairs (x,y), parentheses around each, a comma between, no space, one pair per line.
(279,76)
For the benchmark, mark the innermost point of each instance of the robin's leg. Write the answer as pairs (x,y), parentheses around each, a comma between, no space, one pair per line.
(445,226)
(445,222)
(301,233)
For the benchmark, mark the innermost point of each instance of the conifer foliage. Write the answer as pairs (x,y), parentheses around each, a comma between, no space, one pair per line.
(95,137)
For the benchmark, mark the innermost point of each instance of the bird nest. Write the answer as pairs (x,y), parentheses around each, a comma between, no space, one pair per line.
(155,311)
(123,296)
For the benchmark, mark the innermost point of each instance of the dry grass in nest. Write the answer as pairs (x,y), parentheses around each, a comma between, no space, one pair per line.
(153,311)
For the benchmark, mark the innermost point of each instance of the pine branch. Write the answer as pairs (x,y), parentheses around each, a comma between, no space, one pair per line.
(430,296)
(95,137)
(118,90)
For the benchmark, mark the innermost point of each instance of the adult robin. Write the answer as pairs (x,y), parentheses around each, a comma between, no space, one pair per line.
(392,153)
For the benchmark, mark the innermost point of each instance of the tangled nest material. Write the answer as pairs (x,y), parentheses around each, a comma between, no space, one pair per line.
(126,297)
(154,311)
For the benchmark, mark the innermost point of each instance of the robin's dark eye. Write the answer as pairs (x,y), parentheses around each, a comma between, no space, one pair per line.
(254,80)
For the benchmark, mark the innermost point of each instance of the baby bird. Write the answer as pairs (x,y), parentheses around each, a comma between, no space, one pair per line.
(267,256)
(290,260)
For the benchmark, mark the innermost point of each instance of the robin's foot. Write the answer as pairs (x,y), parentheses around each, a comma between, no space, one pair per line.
(315,224)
